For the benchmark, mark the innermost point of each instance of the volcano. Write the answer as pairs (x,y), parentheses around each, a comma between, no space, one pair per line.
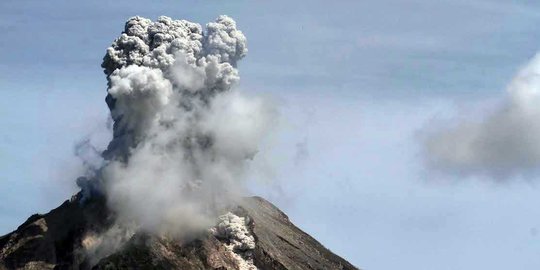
(58,239)
(168,191)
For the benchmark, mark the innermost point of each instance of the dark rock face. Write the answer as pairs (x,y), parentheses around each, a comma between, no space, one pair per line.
(282,245)
(54,241)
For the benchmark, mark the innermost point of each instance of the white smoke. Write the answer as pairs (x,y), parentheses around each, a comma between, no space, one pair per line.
(235,230)
(504,144)
(141,93)
(238,239)
(182,137)
(97,246)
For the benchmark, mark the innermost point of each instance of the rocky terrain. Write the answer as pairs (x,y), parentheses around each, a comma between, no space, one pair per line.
(253,235)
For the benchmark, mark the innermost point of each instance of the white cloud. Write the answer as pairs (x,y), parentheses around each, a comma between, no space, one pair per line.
(503,144)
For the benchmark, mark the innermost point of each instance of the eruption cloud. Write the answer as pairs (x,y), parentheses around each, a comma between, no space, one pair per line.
(502,145)
(183,137)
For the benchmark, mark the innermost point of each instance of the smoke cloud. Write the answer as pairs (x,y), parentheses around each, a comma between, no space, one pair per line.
(502,145)
(183,137)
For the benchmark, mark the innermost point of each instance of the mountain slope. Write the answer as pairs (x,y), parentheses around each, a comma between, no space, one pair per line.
(55,241)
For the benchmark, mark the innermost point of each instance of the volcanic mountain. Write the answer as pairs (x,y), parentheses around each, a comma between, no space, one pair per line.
(168,190)
(58,239)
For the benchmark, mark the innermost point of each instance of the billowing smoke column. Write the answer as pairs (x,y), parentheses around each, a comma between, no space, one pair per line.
(160,70)
(182,137)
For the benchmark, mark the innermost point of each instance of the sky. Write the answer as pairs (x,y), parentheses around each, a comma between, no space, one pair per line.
(359,85)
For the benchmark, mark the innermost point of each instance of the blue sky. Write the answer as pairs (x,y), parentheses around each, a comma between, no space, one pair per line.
(356,83)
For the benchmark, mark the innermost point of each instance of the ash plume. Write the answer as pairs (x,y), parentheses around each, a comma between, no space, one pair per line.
(182,136)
